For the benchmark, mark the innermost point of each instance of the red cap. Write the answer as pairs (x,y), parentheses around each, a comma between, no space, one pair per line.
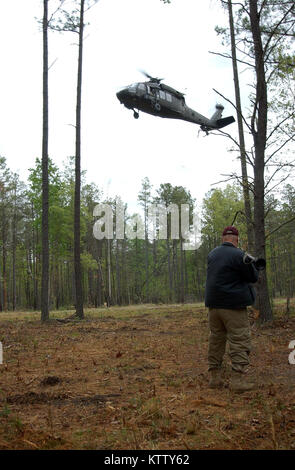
(230,230)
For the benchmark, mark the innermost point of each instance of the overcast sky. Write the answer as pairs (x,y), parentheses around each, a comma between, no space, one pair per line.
(170,41)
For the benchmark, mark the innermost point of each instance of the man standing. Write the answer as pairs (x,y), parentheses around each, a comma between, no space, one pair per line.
(228,293)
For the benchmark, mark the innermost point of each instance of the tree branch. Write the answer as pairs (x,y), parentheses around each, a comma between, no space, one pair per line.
(292,137)
(279,168)
(279,227)
(228,56)
(54,13)
(238,4)
(279,125)
(275,28)
(225,134)
(276,185)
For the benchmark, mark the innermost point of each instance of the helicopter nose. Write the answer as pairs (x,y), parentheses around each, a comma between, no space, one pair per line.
(122,94)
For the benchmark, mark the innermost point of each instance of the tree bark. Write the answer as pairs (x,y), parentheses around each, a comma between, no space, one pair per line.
(245,185)
(77,203)
(169,269)
(45,185)
(4,250)
(118,274)
(14,256)
(259,129)
(109,273)
(181,272)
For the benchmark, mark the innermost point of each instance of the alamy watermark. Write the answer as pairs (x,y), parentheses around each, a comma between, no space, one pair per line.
(292,353)
(156,225)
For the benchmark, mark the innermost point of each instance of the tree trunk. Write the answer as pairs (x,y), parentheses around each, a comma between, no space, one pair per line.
(138,294)
(100,283)
(155,286)
(118,274)
(245,185)
(146,250)
(181,272)
(169,269)
(109,301)
(124,272)
(45,188)
(4,255)
(77,203)
(32,262)
(176,270)
(14,259)
(259,129)
(185,275)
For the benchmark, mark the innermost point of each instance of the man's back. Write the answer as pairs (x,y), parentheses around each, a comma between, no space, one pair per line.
(229,278)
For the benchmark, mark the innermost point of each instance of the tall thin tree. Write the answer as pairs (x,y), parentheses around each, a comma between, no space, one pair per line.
(259,132)
(45,185)
(245,184)
(144,198)
(77,203)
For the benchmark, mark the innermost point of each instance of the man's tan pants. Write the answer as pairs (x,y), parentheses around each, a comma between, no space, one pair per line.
(231,325)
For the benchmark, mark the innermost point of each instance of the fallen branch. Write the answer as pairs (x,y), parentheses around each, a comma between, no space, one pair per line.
(31,443)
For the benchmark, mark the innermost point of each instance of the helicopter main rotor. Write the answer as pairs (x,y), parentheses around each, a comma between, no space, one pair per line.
(152,79)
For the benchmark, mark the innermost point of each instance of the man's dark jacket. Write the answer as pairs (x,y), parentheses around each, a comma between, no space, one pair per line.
(229,278)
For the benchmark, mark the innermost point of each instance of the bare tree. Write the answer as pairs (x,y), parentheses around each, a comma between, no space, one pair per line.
(263,28)
(77,203)
(259,132)
(74,22)
(45,185)
(242,146)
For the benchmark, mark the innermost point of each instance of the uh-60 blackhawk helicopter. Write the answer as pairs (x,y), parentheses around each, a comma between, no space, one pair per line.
(158,99)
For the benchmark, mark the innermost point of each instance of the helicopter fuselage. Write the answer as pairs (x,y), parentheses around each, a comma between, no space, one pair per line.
(164,101)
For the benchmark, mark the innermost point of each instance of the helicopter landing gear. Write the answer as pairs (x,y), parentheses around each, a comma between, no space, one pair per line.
(157,107)
(205,129)
(135,114)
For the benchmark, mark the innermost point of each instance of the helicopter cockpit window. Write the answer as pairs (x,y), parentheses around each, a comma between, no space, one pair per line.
(151,90)
(141,86)
(165,96)
(132,87)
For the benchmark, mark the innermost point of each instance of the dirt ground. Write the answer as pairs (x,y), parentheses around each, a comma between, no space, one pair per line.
(136,378)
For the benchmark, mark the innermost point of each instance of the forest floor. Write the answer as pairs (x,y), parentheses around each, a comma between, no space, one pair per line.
(136,378)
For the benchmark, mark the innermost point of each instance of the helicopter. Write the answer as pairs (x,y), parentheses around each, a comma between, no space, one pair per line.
(156,98)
